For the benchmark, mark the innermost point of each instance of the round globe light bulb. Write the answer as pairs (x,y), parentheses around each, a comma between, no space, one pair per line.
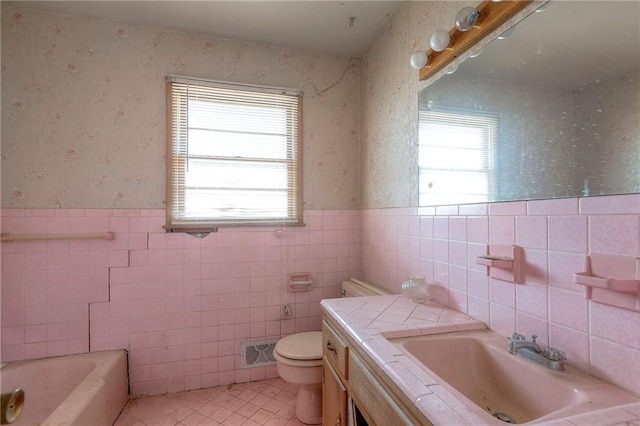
(419,59)
(466,18)
(440,40)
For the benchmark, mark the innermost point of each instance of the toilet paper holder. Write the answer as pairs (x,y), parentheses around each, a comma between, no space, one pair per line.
(300,282)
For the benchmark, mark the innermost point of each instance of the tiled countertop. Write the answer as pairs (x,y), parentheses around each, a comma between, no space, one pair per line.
(370,321)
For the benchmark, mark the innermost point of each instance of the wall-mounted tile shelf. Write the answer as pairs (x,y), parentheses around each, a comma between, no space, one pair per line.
(625,286)
(611,279)
(495,261)
(503,262)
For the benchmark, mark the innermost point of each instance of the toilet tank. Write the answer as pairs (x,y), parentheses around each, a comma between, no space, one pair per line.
(357,288)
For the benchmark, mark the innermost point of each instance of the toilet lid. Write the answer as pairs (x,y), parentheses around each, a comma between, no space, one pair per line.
(301,346)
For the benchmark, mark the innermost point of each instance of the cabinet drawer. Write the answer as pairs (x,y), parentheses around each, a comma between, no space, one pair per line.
(334,349)
(372,398)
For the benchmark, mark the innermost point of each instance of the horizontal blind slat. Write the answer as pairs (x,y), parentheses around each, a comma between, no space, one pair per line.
(222,118)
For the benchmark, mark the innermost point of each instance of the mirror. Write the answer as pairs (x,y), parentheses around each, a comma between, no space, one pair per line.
(551,110)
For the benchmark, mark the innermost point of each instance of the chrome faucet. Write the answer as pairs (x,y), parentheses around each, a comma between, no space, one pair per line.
(549,357)
(519,341)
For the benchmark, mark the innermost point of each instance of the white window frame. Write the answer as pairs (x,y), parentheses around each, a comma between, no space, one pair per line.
(182,90)
(487,123)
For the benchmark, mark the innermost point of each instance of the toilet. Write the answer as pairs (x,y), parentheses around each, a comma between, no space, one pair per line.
(299,359)
(299,362)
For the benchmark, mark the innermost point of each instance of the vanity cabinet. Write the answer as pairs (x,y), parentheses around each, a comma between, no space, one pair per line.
(334,377)
(353,393)
(334,397)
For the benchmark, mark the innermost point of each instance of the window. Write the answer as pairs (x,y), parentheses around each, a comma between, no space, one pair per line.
(456,156)
(234,155)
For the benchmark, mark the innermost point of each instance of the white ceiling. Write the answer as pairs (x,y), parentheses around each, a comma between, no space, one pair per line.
(306,24)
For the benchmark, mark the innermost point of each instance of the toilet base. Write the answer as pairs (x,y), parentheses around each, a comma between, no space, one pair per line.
(309,406)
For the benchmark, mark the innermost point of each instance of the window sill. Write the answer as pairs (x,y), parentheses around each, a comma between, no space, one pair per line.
(211,228)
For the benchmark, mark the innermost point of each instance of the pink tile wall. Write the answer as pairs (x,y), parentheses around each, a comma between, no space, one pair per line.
(181,305)
(555,236)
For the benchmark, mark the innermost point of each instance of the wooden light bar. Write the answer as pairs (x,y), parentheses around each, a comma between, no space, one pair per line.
(492,15)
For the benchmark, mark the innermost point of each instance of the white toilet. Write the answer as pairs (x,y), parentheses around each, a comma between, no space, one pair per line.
(299,362)
(299,359)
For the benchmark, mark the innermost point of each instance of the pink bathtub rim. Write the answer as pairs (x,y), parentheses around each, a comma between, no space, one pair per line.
(92,391)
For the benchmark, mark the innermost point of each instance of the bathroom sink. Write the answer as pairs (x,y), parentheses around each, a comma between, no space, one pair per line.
(499,387)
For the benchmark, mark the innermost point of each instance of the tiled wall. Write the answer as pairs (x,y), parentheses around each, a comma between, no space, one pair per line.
(181,305)
(442,243)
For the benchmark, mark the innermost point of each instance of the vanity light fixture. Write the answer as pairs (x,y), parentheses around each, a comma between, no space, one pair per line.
(467,18)
(419,59)
(440,40)
(447,46)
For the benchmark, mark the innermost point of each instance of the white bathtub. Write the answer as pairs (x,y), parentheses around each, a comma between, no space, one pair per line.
(85,389)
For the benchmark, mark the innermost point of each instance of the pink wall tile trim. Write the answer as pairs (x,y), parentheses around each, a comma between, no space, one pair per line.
(516,208)
(446,210)
(473,209)
(615,204)
(562,206)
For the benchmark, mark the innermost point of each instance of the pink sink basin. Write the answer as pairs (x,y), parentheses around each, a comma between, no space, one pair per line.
(476,367)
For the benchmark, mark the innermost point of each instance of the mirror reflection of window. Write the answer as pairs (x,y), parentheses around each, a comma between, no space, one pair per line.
(566,87)
(456,156)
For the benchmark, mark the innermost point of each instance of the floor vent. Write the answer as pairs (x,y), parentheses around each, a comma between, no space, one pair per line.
(257,354)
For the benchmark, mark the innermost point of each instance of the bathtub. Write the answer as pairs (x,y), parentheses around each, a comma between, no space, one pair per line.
(85,389)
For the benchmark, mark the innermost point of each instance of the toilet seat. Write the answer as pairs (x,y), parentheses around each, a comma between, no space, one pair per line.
(300,349)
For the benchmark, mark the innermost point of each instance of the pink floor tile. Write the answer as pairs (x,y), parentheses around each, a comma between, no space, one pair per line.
(268,402)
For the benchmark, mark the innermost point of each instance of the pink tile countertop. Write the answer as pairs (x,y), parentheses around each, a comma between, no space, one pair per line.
(370,321)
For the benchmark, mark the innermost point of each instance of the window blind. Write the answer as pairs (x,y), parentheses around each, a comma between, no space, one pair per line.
(456,156)
(234,155)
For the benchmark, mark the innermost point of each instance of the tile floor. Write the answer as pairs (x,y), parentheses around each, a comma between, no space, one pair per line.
(265,403)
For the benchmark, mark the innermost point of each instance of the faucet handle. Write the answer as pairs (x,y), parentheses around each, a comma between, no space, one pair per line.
(515,337)
(554,354)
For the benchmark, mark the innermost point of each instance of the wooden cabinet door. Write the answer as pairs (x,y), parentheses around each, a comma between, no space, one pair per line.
(334,397)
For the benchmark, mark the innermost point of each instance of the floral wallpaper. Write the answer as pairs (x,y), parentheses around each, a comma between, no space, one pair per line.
(83,109)
(389,90)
